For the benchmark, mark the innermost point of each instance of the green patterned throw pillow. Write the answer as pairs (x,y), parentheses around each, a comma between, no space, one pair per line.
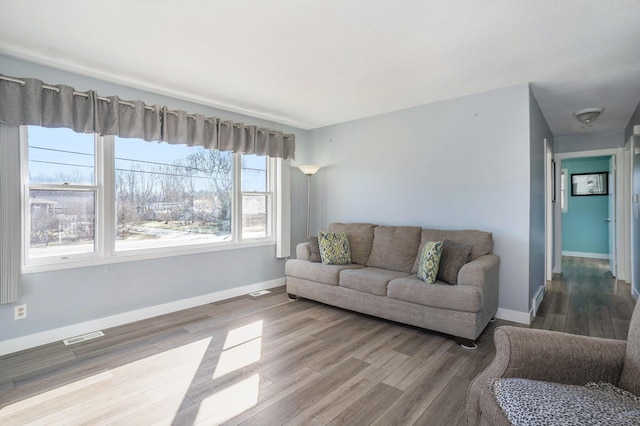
(430,261)
(334,248)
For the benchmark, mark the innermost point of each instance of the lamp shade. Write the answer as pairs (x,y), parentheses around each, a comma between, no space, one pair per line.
(309,169)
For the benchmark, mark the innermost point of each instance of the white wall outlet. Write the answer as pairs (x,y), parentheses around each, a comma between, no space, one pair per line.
(20,312)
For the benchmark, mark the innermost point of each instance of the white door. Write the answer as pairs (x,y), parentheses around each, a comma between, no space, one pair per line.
(612,216)
(549,199)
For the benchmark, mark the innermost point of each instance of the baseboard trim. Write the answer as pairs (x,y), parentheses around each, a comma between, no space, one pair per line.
(59,334)
(536,301)
(585,254)
(514,316)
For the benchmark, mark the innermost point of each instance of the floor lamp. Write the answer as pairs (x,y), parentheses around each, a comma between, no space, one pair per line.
(309,170)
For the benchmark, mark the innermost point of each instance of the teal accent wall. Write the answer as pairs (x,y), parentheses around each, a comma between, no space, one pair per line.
(583,226)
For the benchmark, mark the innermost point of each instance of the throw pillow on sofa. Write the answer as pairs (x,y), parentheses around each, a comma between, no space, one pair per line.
(430,261)
(454,257)
(314,249)
(334,248)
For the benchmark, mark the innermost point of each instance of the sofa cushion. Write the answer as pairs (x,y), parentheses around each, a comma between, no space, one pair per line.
(430,261)
(360,239)
(334,248)
(326,274)
(454,257)
(534,402)
(369,280)
(439,295)
(394,247)
(630,377)
(314,250)
(481,241)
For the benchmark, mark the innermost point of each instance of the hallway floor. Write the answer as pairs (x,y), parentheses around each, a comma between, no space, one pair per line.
(586,300)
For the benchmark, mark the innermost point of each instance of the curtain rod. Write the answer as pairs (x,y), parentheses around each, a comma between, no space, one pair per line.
(107,100)
(84,95)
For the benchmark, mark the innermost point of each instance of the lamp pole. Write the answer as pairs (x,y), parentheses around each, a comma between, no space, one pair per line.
(308,203)
(309,170)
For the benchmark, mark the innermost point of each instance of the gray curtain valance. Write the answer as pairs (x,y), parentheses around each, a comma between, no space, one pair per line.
(27,101)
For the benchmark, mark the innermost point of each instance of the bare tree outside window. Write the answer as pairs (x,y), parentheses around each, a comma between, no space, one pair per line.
(171,195)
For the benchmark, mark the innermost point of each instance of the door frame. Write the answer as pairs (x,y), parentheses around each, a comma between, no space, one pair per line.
(623,206)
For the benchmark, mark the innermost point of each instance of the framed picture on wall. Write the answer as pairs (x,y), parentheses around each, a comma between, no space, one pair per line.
(589,184)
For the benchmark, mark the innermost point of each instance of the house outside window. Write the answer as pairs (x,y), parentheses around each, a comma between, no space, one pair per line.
(62,193)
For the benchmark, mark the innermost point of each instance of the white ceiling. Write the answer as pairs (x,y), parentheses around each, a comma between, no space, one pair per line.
(311,63)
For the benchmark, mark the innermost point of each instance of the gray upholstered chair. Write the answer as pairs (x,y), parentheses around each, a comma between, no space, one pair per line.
(555,357)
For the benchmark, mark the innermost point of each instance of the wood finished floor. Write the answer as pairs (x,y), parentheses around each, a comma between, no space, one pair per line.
(271,361)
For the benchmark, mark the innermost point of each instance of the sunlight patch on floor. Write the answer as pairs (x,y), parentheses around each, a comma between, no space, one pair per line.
(242,347)
(58,392)
(243,334)
(110,390)
(165,376)
(229,402)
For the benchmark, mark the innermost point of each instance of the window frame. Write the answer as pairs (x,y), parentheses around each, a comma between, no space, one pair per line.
(105,219)
(564,193)
(269,193)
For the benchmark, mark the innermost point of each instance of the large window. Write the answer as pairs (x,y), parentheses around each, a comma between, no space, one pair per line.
(92,197)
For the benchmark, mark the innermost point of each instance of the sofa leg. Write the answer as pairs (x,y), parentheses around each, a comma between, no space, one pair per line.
(292,296)
(492,319)
(466,343)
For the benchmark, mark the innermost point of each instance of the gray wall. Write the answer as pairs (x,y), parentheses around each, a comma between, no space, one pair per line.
(538,131)
(67,297)
(635,226)
(635,221)
(457,164)
(633,121)
(588,141)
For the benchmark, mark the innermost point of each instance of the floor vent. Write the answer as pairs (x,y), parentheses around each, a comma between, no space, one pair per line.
(259,293)
(83,338)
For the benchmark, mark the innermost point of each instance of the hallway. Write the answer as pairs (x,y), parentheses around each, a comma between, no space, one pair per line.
(586,300)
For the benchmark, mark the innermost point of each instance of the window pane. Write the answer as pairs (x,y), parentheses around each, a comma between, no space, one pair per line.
(61,222)
(60,156)
(255,216)
(254,173)
(168,195)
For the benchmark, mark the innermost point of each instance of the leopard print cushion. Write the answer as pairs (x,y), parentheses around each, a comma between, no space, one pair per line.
(531,402)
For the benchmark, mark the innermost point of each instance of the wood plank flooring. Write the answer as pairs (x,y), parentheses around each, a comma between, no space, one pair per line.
(271,361)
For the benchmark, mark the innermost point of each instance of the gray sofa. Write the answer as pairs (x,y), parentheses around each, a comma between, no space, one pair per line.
(381,280)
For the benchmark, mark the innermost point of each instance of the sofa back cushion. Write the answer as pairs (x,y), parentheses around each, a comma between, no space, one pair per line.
(481,241)
(395,247)
(630,377)
(360,239)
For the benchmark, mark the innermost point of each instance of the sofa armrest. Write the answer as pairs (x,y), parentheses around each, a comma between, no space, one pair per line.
(483,273)
(480,272)
(554,356)
(547,356)
(303,252)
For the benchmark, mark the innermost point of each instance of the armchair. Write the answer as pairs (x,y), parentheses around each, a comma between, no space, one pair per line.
(550,356)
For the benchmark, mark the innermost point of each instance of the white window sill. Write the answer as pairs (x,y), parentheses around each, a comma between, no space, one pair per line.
(132,256)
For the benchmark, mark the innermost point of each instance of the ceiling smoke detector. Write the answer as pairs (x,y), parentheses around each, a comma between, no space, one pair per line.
(588,115)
